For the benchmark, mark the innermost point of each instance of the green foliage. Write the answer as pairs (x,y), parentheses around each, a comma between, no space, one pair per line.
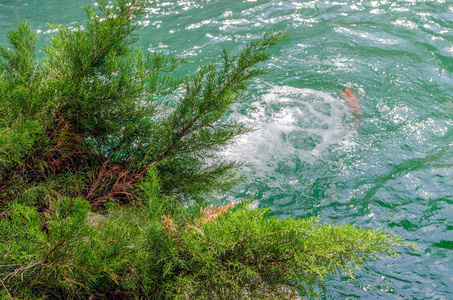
(96,102)
(19,64)
(95,160)
(247,253)
(160,251)
(19,106)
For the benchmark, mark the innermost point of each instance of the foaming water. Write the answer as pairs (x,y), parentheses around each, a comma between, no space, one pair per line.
(291,121)
(294,151)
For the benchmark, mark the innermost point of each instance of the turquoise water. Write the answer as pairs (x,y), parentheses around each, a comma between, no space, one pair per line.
(393,168)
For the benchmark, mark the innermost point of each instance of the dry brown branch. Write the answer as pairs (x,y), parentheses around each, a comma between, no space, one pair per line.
(114,182)
(168,225)
(209,214)
(21,270)
(98,180)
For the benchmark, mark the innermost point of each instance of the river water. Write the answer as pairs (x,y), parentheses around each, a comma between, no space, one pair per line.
(392,168)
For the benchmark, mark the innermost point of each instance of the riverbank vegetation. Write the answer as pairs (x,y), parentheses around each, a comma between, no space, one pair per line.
(108,158)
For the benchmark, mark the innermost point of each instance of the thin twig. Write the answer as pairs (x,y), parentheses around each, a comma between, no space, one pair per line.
(10,297)
(4,212)
(21,269)
(34,72)
(55,247)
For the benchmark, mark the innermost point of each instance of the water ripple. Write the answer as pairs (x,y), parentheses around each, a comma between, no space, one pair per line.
(393,169)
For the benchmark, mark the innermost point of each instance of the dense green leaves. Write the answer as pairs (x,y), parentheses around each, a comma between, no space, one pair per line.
(19,62)
(99,102)
(160,250)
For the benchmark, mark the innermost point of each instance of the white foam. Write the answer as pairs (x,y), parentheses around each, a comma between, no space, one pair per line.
(291,121)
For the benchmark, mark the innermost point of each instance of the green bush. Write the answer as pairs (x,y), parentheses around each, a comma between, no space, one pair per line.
(161,250)
(104,178)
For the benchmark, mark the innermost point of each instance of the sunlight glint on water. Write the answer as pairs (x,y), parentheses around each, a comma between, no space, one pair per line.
(392,169)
